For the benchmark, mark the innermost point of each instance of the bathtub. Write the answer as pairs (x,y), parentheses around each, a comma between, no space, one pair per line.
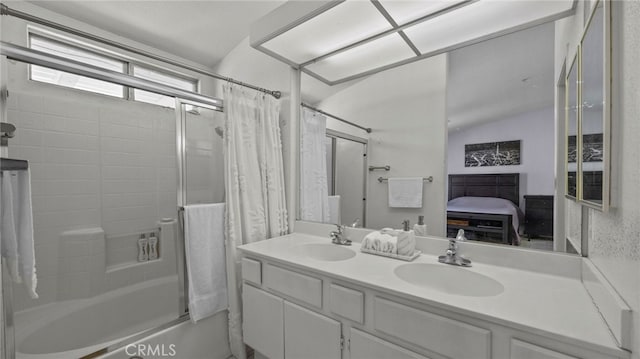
(73,328)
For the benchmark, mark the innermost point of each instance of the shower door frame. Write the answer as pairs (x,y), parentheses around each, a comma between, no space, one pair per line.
(8,326)
(29,56)
(333,135)
(181,166)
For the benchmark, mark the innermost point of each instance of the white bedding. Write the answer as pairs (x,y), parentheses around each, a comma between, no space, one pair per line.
(488,205)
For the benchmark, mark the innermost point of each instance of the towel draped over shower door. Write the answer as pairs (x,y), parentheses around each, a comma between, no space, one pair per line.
(254,186)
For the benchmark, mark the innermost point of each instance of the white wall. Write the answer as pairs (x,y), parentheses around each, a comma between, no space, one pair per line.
(405,107)
(535,130)
(613,237)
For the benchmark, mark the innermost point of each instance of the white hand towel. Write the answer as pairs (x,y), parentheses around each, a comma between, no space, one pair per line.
(371,241)
(388,244)
(367,242)
(334,209)
(16,235)
(405,192)
(381,242)
(206,263)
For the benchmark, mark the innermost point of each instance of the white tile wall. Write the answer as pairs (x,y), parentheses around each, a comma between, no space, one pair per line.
(107,164)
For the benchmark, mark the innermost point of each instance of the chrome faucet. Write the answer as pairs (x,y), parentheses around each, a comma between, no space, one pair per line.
(451,256)
(340,235)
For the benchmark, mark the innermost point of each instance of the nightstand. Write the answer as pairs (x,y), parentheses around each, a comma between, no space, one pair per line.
(538,216)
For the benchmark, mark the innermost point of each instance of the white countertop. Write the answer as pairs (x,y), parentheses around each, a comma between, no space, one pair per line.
(554,306)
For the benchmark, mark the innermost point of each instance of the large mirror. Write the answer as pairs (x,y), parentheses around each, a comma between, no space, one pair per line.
(472,131)
(594,109)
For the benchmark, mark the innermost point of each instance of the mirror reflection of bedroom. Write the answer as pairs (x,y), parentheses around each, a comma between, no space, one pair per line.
(501,136)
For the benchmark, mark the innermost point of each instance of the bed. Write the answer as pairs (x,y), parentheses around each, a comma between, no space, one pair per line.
(486,206)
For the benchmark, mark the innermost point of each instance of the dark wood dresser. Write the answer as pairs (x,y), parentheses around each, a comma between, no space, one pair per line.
(538,216)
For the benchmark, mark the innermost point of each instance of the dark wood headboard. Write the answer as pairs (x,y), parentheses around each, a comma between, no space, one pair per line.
(500,185)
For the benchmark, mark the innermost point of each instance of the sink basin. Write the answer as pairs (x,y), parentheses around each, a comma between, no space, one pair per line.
(324,252)
(449,279)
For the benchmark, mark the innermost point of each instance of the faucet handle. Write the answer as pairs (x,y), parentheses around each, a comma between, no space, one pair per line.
(460,236)
(340,227)
(355,223)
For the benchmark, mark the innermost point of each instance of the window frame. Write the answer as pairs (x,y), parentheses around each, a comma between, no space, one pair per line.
(133,65)
(128,65)
(31,35)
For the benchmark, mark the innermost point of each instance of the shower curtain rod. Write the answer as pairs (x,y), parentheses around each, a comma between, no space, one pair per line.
(5,10)
(30,56)
(368,129)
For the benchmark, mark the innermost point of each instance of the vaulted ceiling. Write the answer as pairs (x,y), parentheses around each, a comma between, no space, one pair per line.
(200,31)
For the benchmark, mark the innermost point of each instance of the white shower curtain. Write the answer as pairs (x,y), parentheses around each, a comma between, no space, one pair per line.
(254,186)
(314,192)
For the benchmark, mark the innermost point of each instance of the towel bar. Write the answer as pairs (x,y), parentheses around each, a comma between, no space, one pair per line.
(384,179)
(386,168)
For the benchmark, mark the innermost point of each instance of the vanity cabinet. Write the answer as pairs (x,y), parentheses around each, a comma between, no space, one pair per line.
(263,320)
(367,346)
(431,331)
(291,312)
(524,350)
(279,329)
(310,335)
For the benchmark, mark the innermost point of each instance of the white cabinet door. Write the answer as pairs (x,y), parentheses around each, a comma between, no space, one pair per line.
(310,335)
(262,322)
(365,346)
(524,350)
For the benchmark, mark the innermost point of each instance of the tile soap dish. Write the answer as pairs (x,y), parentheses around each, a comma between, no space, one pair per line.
(415,254)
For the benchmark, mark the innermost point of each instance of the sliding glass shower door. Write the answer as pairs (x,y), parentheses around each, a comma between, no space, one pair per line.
(105,192)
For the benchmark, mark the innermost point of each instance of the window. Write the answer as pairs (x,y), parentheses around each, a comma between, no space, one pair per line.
(56,77)
(163,78)
(77,53)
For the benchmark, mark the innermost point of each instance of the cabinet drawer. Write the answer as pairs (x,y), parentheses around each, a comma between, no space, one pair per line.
(298,286)
(524,350)
(538,213)
(444,336)
(347,303)
(366,346)
(539,203)
(544,202)
(251,271)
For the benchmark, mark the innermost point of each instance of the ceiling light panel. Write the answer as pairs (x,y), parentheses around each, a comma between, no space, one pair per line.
(378,53)
(342,25)
(481,19)
(403,11)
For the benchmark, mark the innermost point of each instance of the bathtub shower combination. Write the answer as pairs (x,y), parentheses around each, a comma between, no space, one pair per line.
(100,284)
(109,179)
